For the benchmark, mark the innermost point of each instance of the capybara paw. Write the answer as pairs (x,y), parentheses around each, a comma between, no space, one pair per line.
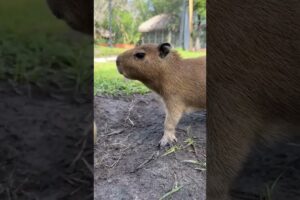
(167,140)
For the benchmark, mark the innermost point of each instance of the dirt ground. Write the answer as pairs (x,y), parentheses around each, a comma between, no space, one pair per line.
(128,163)
(46,151)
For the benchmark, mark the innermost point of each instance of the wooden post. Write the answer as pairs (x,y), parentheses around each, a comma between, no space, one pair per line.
(191,15)
(181,32)
(191,11)
(186,34)
(110,23)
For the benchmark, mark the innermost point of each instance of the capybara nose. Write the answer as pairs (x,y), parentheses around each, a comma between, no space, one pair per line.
(118,61)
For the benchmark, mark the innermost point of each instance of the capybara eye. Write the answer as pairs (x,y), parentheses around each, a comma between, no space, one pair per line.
(139,55)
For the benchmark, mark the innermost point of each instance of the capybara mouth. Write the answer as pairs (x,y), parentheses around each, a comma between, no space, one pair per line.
(119,69)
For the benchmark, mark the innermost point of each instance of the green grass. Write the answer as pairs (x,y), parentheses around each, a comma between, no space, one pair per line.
(175,189)
(100,51)
(107,80)
(190,54)
(270,188)
(28,17)
(38,49)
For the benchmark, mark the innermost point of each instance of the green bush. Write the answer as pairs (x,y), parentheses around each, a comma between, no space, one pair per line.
(124,26)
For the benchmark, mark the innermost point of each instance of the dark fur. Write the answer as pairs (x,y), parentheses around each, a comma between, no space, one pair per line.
(78,14)
(253,82)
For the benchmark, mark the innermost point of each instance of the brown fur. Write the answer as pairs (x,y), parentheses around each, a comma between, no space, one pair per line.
(77,13)
(253,83)
(180,82)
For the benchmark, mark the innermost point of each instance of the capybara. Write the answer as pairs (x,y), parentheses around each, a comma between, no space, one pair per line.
(180,82)
(253,83)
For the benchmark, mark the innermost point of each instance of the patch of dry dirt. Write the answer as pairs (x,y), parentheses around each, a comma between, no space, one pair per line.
(45,149)
(128,163)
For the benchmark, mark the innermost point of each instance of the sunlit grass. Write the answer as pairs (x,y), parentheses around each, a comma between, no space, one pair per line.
(107,80)
(38,49)
(28,18)
(100,51)
(190,54)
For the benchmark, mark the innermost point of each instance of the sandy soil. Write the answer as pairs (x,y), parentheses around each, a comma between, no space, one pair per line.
(128,163)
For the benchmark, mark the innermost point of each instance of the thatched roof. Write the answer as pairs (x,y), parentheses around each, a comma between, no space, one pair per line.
(158,22)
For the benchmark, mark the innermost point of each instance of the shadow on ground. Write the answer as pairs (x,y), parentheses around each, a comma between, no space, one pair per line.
(45,147)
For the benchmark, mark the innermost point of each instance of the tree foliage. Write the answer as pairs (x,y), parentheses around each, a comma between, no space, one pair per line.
(124,26)
(127,15)
(200,7)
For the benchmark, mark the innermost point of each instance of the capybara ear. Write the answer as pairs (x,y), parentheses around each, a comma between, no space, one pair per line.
(164,49)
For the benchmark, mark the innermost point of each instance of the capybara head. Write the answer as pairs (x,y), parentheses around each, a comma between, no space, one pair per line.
(147,62)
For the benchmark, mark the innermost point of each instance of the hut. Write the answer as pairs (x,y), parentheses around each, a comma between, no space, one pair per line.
(167,28)
(157,29)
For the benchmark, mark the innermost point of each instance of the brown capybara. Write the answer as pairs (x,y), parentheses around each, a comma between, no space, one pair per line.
(77,14)
(253,83)
(180,82)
